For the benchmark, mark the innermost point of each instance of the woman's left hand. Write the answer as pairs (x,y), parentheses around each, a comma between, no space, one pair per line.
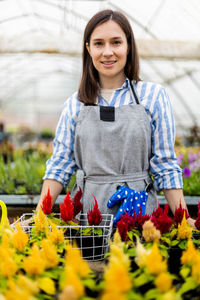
(191,222)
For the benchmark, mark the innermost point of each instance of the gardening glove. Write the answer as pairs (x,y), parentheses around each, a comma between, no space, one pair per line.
(131,200)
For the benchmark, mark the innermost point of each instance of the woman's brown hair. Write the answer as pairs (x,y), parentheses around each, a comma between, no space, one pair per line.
(88,88)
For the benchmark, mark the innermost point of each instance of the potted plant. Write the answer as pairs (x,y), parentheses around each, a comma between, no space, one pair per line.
(91,237)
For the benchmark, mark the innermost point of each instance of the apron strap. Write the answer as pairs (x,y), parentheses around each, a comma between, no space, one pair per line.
(102,179)
(134,92)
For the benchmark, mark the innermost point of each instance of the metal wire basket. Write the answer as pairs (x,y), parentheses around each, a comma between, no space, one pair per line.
(93,245)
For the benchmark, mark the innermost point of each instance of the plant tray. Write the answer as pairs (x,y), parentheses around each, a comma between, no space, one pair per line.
(93,246)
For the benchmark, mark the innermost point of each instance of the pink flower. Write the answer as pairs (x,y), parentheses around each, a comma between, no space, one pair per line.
(66,208)
(94,215)
(47,203)
(78,206)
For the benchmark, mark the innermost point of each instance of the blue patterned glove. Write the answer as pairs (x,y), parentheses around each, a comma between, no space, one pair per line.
(131,200)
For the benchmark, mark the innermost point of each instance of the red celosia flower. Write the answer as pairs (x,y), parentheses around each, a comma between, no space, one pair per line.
(78,206)
(197,222)
(178,215)
(129,220)
(47,203)
(94,215)
(122,227)
(157,212)
(163,222)
(66,208)
(140,220)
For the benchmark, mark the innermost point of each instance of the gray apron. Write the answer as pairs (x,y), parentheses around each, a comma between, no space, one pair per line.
(113,153)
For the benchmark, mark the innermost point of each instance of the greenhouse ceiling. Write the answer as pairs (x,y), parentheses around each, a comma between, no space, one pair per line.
(40,54)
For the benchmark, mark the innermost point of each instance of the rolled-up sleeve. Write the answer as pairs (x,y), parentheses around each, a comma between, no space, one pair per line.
(62,163)
(163,163)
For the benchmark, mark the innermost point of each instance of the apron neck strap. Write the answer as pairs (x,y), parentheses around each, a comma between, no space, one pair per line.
(134,92)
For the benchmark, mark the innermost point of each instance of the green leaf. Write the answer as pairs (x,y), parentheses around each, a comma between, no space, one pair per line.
(189,285)
(98,231)
(184,272)
(174,243)
(142,279)
(131,252)
(166,240)
(183,244)
(90,283)
(134,296)
(86,231)
(152,294)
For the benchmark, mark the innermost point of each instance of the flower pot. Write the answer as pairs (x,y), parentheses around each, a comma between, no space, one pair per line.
(174,259)
(92,247)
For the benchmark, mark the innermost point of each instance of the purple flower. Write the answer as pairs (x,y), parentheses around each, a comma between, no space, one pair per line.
(186,172)
(191,157)
(179,159)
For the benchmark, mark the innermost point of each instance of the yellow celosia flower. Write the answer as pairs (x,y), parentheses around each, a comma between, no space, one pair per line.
(74,260)
(107,295)
(118,255)
(189,256)
(41,222)
(141,254)
(154,262)
(20,238)
(74,280)
(49,254)
(117,240)
(25,283)
(68,293)
(56,235)
(150,233)
(8,266)
(196,269)
(184,230)
(34,264)
(117,251)
(14,292)
(163,282)
(47,285)
(5,246)
(117,278)
(2,297)
(170,295)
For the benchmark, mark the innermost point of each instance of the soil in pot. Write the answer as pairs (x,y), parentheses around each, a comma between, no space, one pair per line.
(92,247)
(174,260)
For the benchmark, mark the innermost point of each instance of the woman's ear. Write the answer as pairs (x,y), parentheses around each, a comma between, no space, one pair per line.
(87,47)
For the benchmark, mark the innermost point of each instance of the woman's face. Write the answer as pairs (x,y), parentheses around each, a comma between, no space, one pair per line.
(108,49)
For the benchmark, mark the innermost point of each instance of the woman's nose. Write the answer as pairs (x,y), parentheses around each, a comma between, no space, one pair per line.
(107,50)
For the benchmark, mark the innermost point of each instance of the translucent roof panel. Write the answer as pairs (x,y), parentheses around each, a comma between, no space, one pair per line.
(40,54)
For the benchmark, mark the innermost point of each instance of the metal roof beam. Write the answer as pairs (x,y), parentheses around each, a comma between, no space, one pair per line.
(148,49)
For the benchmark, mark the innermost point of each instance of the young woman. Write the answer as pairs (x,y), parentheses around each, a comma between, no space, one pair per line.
(116,130)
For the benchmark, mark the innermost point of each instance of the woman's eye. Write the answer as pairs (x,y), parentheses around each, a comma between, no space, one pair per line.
(117,42)
(98,43)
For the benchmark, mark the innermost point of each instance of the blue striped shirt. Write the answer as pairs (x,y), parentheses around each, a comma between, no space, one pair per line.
(163,163)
